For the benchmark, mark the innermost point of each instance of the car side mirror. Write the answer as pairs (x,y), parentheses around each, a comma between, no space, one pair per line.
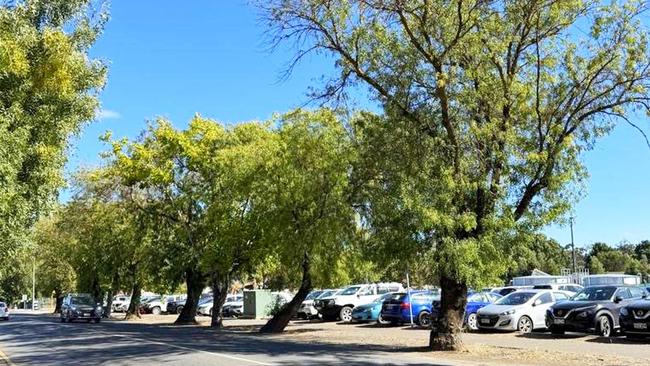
(618,299)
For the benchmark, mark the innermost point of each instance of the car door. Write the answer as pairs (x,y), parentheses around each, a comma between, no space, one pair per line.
(625,297)
(366,295)
(542,303)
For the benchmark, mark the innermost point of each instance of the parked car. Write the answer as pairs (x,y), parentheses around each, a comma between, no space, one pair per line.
(176,306)
(417,304)
(570,287)
(155,306)
(372,311)
(206,307)
(475,302)
(4,311)
(307,309)
(503,291)
(635,318)
(121,303)
(341,304)
(522,310)
(233,309)
(80,307)
(594,308)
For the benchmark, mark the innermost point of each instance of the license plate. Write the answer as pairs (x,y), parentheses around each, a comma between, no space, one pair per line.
(485,321)
(558,321)
(640,326)
(86,314)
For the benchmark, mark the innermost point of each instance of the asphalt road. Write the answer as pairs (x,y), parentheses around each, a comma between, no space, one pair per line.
(32,339)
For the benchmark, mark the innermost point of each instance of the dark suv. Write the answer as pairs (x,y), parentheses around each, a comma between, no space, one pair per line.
(635,319)
(80,307)
(593,308)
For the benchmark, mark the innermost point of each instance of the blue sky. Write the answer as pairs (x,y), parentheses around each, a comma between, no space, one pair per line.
(211,57)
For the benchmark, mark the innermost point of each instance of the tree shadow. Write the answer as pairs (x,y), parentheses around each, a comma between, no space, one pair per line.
(40,340)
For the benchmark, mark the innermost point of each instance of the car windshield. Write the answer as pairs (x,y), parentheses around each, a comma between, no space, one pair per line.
(326,294)
(388,296)
(350,290)
(314,294)
(83,300)
(515,298)
(594,294)
(205,301)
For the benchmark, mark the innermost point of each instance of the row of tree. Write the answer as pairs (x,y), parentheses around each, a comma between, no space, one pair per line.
(485,110)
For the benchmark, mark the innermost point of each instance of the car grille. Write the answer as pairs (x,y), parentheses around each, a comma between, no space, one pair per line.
(492,320)
(561,313)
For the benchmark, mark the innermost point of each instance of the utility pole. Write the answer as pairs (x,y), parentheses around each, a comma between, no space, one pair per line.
(573,248)
(33,281)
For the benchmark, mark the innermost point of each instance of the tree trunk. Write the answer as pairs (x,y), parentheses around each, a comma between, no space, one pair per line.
(281,319)
(446,333)
(58,300)
(134,306)
(195,283)
(220,287)
(109,302)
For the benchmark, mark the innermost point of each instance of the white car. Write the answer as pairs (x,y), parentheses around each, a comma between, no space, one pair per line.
(341,304)
(121,303)
(4,311)
(206,308)
(522,310)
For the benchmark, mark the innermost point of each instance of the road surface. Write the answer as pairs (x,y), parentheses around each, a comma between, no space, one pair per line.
(38,339)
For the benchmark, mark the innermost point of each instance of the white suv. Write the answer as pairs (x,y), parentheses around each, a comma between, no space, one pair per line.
(340,305)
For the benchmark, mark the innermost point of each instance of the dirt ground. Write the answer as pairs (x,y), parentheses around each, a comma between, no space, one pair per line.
(539,348)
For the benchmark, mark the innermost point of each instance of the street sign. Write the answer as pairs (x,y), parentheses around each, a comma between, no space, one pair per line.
(24,297)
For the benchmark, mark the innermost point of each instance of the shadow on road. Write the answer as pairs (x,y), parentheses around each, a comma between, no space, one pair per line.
(42,340)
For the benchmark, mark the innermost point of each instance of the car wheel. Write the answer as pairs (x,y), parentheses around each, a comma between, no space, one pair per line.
(472,322)
(604,328)
(346,314)
(179,310)
(156,310)
(424,319)
(525,324)
(382,321)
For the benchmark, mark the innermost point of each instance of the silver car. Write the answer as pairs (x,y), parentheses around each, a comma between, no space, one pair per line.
(4,311)
(522,310)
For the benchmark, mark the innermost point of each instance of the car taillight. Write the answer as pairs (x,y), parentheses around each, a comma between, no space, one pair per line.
(405,305)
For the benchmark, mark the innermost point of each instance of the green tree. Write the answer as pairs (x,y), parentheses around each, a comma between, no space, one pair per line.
(596,266)
(48,90)
(313,221)
(499,97)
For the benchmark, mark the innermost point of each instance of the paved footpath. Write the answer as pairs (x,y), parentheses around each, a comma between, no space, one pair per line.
(40,339)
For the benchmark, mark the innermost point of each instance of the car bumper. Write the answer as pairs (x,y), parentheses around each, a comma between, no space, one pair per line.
(363,316)
(583,325)
(497,322)
(635,326)
(330,311)
(307,311)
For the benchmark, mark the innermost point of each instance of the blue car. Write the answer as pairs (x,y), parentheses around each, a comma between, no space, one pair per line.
(415,304)
(372,311)
(475,301)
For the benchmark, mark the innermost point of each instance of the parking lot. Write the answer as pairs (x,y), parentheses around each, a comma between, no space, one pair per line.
(153,339)
(538,348)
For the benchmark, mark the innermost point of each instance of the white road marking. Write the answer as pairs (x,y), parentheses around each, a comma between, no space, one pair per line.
(191,349)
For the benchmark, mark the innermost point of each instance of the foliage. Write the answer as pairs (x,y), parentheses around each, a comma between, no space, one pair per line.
(499,99)
(48,90)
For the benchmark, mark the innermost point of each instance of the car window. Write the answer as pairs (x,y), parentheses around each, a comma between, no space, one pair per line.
(350,291)
(560,296)
(477,297)
(595,294)
(546,298)
(493,296)
(637,292)
(2,305)
(366,291)
(516,298)
(83,300)
(383,290)
(624,293)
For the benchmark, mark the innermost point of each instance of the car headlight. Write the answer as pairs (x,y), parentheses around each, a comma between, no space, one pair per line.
(509,312)
(73,308)
(581,315)
(98,309)
(624,312)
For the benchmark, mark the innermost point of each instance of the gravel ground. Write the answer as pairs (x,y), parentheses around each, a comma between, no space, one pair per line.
(483,348)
